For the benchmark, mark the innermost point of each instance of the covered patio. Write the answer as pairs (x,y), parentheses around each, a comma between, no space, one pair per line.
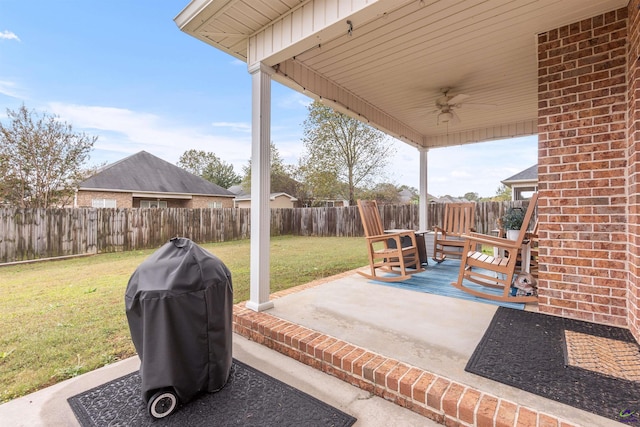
(567,71)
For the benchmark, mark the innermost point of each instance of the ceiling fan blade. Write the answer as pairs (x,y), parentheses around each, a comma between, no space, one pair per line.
(477,105)
(456,119)
(459,98)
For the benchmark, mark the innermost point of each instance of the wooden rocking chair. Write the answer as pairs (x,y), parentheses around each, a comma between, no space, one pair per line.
(386,251)
(459,219)
(494,271)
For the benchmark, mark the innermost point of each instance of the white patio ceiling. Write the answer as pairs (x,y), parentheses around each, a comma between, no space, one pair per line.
(390,68)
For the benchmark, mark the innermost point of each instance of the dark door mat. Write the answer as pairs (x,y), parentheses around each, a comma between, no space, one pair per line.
(527,350)
(250,398)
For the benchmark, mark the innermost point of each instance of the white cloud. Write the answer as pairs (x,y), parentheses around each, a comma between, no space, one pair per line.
(9,35)
(9,89)
(479,167)
(123,132)
(460,174)
(235,126)
(293,100)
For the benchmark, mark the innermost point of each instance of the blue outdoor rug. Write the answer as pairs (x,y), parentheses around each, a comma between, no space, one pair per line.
(437,278)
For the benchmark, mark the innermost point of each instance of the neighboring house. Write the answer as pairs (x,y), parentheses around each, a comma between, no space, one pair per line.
(237,190)
(146,181)
(523,184)
(406,196)
(276,200)
(329,203)
(447,199)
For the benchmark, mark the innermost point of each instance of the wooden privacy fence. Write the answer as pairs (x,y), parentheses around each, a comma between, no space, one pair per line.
(27,234)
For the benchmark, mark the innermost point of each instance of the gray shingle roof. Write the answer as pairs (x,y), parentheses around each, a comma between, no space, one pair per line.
(530,174)
(145,172)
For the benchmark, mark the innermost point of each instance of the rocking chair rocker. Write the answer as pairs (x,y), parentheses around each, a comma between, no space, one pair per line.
(386,251)
(494,271)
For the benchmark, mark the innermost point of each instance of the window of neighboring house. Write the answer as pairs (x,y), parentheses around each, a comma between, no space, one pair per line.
(214,205)
(103,203)
(153,204)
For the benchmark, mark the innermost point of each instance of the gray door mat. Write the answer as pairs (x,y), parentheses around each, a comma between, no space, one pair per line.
(250,398)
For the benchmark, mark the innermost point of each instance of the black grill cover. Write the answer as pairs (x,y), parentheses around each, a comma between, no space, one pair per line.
(179,306)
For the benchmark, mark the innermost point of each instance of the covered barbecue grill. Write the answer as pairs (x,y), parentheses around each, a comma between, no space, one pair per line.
(179,305)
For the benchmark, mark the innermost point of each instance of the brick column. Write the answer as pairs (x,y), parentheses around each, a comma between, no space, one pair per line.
(582,169)
(633,159)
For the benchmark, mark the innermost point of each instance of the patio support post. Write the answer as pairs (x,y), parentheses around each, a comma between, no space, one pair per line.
(260,187)
(424,198)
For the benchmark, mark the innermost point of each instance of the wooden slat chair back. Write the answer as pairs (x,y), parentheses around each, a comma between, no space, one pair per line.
(385,250)
(370,215)
(494,271)
(459,219)
(533,241)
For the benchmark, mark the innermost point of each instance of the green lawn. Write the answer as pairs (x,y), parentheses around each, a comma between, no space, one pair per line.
(63,318)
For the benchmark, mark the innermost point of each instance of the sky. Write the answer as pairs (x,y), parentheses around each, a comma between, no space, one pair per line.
(123,71)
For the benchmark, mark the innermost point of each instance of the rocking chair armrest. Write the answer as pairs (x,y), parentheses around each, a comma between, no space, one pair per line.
(500,242)
(387,236)
(399,231)
(378,238)
(437,229)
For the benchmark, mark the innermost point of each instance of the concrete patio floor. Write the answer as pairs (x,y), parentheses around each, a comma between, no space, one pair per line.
(433,333)
(313,324)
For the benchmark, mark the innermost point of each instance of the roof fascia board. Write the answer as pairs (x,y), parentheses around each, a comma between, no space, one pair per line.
(519,181)
(197,13)
(203,10)
(162,195)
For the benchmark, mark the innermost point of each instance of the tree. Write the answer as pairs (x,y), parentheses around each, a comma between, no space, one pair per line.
(503,194)
(341,151)
(282,180)
(472,197)
(41,159)
(208,166)
(384,193)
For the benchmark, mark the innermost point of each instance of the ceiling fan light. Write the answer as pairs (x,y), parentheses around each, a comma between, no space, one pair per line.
(445,116)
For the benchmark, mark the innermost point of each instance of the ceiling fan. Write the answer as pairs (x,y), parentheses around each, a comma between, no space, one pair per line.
(448,103)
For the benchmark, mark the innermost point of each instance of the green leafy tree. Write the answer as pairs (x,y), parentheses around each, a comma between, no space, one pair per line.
(472,197)
(341,151)
(503,194)
(282,176)
(383,193)
(321,184)
(41,159)
(210,167)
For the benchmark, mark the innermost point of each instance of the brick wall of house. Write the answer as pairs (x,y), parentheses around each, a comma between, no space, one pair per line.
(83,198)
(125,200)
(202,202)
(171,203)
(582,70)
(634,167)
